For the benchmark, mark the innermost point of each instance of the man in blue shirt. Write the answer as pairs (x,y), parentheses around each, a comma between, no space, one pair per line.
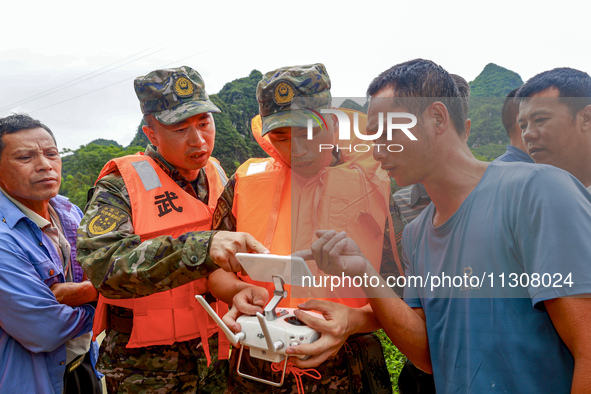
(45,318)
(554,117)
(493,265)
(516,150)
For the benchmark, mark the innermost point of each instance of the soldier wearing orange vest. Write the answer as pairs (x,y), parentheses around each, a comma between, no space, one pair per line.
(307,185)
(146,245)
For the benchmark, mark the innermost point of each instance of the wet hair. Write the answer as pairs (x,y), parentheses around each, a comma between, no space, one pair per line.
(574,87)
(464,89)
(419,83)
(18,122)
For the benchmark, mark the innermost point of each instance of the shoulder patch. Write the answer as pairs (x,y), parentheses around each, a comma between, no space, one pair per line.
(107,219)
(221,210)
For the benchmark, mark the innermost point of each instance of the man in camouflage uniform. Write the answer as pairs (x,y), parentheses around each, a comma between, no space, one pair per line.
(340,367)
(181,130)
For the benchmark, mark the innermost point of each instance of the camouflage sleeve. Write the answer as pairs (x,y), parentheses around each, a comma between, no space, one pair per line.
(388,266)
(119,265)
(223,218)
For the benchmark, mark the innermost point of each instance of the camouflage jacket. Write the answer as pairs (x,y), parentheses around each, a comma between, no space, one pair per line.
(119,264)
(224,220)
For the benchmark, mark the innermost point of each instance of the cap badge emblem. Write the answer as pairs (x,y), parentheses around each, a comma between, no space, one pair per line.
(183,87)
(283,93)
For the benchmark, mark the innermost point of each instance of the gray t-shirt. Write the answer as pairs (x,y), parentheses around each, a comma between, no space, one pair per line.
(522,224)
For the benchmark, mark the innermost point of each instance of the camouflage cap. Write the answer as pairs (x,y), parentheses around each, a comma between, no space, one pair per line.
(173,94)
(289,88)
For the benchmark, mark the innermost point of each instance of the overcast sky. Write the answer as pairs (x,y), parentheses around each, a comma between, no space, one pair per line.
(71,64)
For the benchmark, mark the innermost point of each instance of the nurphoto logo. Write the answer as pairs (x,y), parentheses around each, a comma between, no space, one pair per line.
(345,131)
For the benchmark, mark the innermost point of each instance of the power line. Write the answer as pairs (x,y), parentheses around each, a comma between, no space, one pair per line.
(121,81)
(85,77)
(80,95)
(190,56)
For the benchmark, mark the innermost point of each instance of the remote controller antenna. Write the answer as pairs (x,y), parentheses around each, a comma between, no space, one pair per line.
(268,335)
(233,338)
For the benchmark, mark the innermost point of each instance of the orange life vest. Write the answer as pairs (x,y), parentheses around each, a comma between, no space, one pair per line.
(173,315)
(352,197)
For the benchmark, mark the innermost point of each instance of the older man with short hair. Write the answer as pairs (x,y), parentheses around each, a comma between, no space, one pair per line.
(555,120)
(45,315)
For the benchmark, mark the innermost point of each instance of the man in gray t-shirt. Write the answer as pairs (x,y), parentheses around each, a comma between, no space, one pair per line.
(510,228)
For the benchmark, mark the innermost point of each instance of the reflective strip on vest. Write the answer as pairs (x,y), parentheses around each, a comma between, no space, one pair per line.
(221,173)
(147,175)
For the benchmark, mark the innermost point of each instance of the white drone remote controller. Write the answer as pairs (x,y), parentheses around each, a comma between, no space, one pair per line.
(269,335)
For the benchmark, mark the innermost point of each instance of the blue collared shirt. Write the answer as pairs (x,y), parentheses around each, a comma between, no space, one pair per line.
(514,154)
(34,327)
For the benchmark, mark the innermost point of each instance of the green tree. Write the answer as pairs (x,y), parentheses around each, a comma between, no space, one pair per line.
(487,126)
(102,141)
(488,152)
(487,94)
(241,103)
(239,107)
(394,358)
(80,168)
(494,81)
(140,138)
(231,147)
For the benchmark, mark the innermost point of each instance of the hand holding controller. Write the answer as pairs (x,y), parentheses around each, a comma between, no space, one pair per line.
(269,335)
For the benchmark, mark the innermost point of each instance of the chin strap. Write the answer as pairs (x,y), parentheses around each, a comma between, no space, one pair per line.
(297,373)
